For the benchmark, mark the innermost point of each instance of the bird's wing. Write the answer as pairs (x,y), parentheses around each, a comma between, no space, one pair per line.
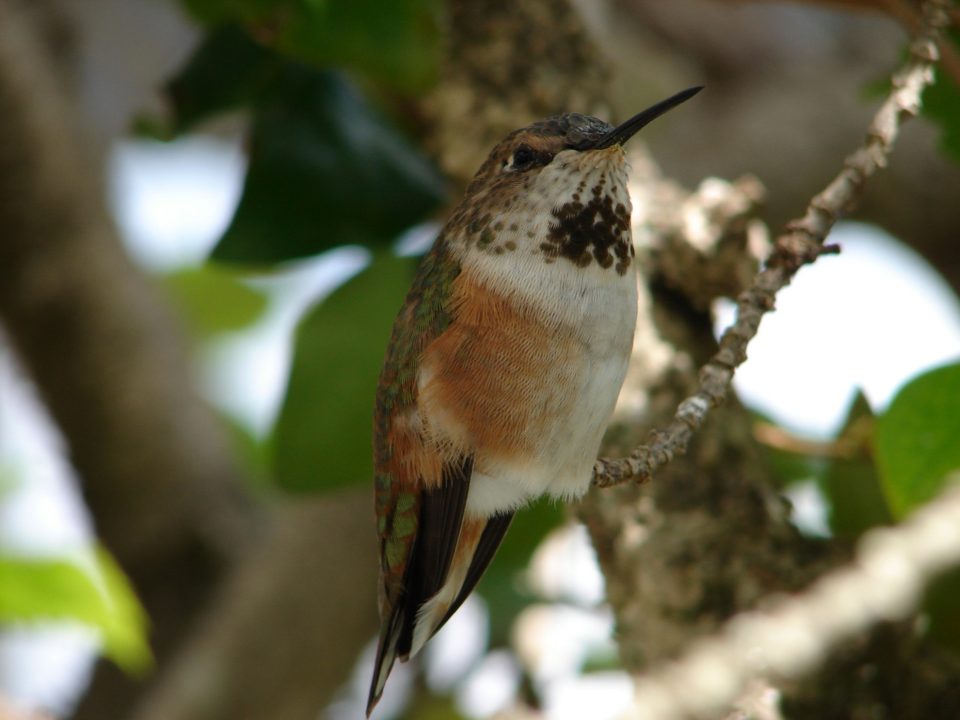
(400,455)
(420,495)
(438,519)
(441,517)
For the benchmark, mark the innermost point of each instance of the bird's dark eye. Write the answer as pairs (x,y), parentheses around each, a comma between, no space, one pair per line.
(523,157)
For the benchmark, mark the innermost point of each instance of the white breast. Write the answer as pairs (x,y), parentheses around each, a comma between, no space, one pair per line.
(602,307)
(599,308)
(592,305)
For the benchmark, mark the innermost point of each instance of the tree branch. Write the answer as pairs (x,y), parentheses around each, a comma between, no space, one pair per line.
(107,359)
(800,244)
(488,89)
(891,569)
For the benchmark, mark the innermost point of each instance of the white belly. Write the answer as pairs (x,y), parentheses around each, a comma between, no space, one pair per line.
(602,307)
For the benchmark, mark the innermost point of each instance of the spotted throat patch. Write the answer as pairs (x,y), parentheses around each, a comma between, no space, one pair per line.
(597,230)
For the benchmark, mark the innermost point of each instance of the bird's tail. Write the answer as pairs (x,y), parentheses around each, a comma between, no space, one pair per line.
(386,654)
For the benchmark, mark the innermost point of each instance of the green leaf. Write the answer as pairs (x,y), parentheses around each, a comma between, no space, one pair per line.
(126,626)
(941,103)
(217,11)
(917,439)
(214,299)
(427,705)
(324,171)
(396,42)
(34,590)
(322,438)
(852,484)
(791,467)
(251,451)
(202,89)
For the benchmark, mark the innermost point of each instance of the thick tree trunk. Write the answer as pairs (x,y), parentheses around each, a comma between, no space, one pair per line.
(108,361)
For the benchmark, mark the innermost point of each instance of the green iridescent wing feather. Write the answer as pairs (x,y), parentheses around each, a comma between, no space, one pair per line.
(400,501)
(424,316)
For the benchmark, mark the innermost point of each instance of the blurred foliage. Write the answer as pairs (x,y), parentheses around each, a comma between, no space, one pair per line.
(918,439)
(850,481)
(213,300)
(792,467)
(324,171)
(34,590)
(917,446)
(940,609)
(789,466)
(323,435)
(202,90)
(601,659)
(941,103)
(253,452)
(885,467)
(396,42)
(879,469)
(426,705)
(843,468)
(326,168)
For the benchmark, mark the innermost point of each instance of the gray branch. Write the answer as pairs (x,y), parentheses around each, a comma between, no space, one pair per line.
(802,243)
(784,642)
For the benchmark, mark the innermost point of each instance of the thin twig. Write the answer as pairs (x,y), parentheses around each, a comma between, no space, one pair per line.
(801,243)
(853,442)
(909,16)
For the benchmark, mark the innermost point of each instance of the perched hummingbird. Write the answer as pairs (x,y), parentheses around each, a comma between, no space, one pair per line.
(504,364)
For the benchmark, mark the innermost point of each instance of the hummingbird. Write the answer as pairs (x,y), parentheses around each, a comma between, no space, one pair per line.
(503,366)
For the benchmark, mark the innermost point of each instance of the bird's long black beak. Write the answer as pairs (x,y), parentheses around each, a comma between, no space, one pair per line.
(626,130)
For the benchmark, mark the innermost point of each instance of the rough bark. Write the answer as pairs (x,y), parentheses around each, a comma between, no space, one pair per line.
(488,88)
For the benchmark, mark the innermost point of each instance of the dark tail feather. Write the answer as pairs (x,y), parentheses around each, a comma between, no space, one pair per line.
(487,546)
(386,654)
(438,528)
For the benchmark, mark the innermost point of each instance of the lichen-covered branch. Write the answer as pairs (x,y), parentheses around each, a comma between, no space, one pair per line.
(884,582)
(802,242)
(508,63)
